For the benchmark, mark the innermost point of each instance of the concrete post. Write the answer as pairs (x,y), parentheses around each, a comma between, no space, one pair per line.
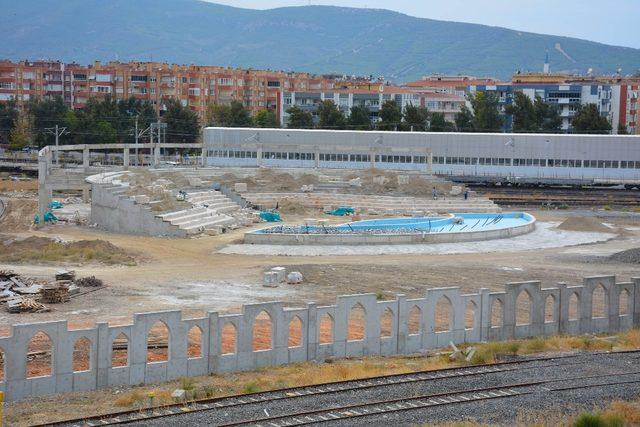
(485,313)
(430,162)
(563,308)
(44,194)
(259,157)
(636,301)
(313,331)
(125,158)
(85,194)
(156,156)
(103,355)
(85,157)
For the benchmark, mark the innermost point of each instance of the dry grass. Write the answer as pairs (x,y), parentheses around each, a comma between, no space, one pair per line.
(49,409)
(42,250)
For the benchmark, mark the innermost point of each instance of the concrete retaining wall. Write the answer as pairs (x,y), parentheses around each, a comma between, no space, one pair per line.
(385,239)
(120,214)
(404,338)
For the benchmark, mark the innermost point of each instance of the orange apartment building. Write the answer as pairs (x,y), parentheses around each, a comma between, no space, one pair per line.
(193,85)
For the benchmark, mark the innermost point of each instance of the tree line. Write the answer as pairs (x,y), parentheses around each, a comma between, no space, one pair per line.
(106,120)
(101,121)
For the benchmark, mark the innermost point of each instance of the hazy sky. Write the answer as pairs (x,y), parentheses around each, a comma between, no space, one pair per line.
(616,22)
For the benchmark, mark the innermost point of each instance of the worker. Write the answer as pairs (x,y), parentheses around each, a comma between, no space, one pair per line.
(466,194)
(435,193)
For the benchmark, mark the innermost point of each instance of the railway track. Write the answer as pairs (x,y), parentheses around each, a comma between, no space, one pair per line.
(560,196)
(342,387)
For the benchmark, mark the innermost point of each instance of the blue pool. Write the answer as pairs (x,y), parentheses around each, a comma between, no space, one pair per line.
(456,223)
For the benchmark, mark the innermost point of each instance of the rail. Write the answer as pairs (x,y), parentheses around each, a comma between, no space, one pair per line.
(349,386)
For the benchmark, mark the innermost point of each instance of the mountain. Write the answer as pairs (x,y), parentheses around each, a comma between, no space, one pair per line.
(319,39)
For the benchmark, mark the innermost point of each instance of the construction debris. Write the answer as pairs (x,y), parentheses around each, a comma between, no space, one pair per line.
(55,294)
(68,275)
(26,305)
(89,282)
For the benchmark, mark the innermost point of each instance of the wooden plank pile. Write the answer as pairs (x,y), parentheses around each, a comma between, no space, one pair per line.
(18,293)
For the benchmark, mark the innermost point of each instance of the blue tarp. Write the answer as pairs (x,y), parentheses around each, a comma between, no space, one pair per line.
(270,217)
(55,205)
(48,217)
(341,211)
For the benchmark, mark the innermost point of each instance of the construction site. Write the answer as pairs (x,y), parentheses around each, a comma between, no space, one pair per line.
(269,265)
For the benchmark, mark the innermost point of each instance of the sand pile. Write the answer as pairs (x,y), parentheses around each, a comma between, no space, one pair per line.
(630,256)
(588,224)
(292,207)
(45,250)
(19,215)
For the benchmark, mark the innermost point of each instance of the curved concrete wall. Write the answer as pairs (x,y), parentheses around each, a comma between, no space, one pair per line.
(385,239)
(101,373)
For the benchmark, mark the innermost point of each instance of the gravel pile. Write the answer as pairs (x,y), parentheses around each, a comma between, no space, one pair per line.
(588,224)
(630,256)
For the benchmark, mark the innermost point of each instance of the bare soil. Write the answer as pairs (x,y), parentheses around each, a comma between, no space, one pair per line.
(588,224)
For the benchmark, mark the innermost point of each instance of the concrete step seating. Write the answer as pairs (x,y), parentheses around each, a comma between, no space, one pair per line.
(382,204)
(210,209)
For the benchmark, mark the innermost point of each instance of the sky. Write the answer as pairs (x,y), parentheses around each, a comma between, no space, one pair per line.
(616,23)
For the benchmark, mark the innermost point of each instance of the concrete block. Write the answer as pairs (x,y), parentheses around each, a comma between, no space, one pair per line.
(271,279)
(403,179)
(179,394)
(240,187)
(294,278)
(281,272)
(141,199)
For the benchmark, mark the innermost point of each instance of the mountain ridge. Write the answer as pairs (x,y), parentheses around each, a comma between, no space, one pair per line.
(317,39)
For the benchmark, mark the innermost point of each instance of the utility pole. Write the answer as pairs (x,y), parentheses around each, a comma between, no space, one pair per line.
(139,134)
(58,132)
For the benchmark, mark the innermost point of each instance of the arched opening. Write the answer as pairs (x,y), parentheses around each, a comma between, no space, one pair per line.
(386,323)
(82,355)
(194,343)
(262,332)
(2,363)
(326,329)
(229,338)
(625,303)
(415,318)
(40,356)
(497,313)
(158,341)
(295,332)
(470,315)
(550,309)
(120,351)
(444,315)
(574,306)
(598,302)
(357,316)
(523,309)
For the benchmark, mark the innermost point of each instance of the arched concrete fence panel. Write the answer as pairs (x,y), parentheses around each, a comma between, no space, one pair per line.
(162,346)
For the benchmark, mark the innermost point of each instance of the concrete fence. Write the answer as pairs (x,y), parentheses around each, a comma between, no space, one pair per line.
(398,326)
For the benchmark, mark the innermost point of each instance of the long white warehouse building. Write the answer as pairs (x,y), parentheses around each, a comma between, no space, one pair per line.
(533,158)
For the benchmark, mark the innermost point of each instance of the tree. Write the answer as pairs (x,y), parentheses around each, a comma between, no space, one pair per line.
(547,116)
(128,110)
(105,133)
(266,119)
(486,116)
(464,119)
(524,113)
(183,125)
(299,119)
(20,135)
(440,124)
(329,116)
(415,118)
(232,115)
(390,116)
(359,118)
(46,113)
(589,120)
(8,116)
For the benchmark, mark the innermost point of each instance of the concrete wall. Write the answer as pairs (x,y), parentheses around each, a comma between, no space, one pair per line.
(403,339)
(258,238)
(120,214)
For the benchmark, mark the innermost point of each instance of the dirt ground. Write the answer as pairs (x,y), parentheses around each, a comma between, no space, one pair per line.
(188,274)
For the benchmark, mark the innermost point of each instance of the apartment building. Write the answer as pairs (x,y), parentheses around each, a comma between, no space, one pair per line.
(373,100)
(194,86)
